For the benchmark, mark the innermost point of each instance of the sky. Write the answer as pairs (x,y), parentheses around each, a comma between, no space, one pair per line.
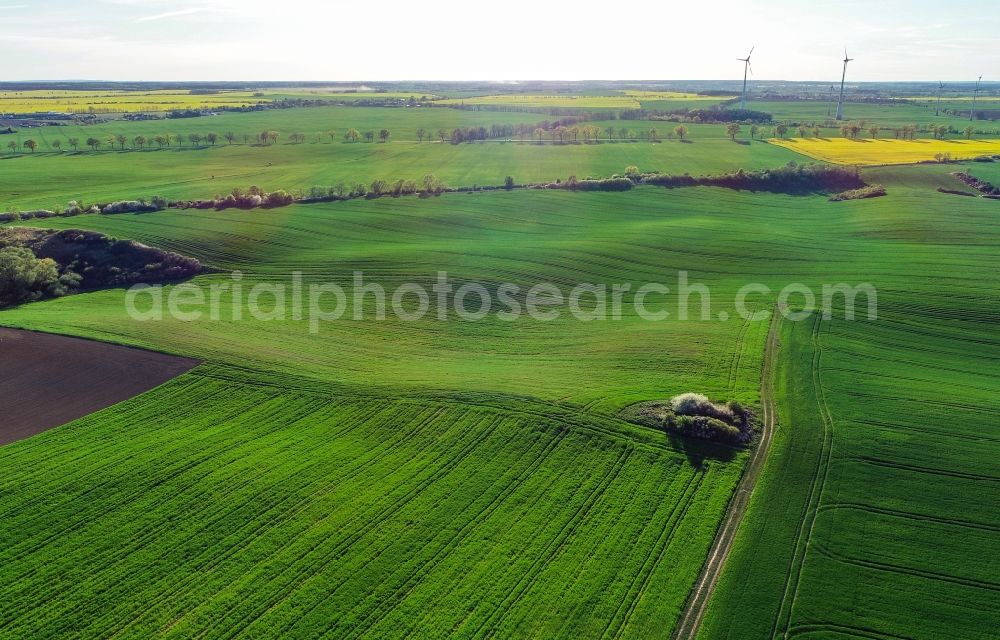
(506,40)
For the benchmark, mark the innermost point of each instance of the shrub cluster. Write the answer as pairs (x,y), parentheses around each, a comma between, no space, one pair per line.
(694,415)
(25,277)
(252,198)
(135,206)
(614,183)
(956,192)
(980,185)
(871,191)
(717,115)
(62,261)
(75,208)
(792,178)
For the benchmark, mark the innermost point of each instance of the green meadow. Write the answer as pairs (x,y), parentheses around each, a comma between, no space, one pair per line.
(885,115)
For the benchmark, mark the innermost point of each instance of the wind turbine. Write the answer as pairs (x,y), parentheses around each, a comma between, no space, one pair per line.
(746,67)
(975,94)
(937,107)
(840,103)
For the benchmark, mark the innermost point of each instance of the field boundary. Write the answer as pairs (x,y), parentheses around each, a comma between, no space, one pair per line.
(49,380)
(701,593)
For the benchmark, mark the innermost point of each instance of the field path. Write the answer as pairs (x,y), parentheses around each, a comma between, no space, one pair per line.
(701,593)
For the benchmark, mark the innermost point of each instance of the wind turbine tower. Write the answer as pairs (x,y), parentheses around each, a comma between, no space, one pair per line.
(746,67)
(975,94)
(840,103)
(937,108)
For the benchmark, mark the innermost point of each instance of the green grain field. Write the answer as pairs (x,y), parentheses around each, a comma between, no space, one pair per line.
(299,474)
(203,171)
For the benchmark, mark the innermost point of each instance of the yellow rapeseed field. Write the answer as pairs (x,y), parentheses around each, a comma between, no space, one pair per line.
(166,100)
(119,101)
(866,152)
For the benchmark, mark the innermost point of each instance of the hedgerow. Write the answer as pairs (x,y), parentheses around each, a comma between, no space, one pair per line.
(980,185)
(871,191)
(792,178)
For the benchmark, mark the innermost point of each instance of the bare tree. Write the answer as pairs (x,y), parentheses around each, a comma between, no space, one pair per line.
(421,134)
(212,137)
(681,131)
(74,142)
(229,136)
(30,144)
(732,130)
(383,135)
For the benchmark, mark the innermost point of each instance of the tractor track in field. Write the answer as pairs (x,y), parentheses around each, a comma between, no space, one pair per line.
(701,592)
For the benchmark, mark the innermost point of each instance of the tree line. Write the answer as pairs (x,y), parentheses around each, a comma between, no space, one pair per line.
(264,138)
(563,131)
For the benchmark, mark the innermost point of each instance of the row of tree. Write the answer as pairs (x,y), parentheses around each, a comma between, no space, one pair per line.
(196,139)
(559,133)
(555,132)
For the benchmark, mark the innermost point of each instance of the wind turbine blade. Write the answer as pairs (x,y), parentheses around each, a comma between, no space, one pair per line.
(750,66)
(751,51)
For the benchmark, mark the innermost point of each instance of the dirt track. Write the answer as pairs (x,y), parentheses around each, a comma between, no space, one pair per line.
(694,610)
(48,380)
